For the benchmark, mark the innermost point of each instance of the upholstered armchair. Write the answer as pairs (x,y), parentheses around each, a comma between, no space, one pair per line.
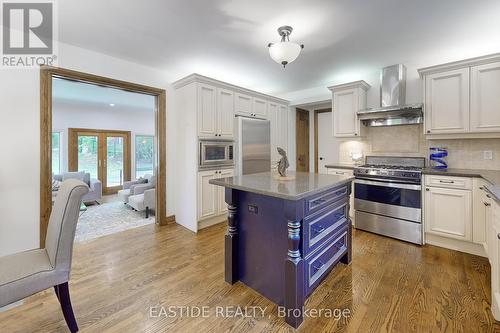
(143,201)
(135,187)
(26,273)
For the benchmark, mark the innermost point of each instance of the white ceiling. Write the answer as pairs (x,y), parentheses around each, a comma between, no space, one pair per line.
(104,98)
(227,39)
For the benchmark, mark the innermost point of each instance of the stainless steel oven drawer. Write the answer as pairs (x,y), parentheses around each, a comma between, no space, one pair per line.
(391,227)
(400,212)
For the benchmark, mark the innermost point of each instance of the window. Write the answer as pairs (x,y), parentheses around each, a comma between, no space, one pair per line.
(56,153)
(144,155)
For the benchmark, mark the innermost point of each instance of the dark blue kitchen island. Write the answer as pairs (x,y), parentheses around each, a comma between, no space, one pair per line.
(284,237)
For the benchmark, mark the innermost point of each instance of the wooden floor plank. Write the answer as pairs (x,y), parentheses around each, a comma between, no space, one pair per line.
(391,286)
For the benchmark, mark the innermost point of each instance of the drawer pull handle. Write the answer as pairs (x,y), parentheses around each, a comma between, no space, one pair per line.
(487,204)
(339,173)
(447,181)
(340,192)
(498,236)
(318,229)
(481,188)
(488,196)
(318,201)
(338,215)
(317,267)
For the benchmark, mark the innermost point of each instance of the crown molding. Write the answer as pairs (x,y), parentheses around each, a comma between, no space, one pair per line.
(356,84)
(490,58)
(195,77)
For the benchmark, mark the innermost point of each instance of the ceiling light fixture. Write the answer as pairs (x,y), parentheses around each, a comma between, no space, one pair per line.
(285,51)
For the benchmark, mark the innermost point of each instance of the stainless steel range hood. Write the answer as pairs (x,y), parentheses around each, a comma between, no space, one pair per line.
(392,110)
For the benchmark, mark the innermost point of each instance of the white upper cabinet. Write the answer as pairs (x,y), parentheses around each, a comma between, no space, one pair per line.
(207,110)
(243,104)
(485,98)
(225,113)
(447,102)
(462,99)
(259,108)
(347,100)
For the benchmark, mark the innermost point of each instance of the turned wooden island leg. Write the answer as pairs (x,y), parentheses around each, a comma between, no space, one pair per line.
(294,277)
(231,239)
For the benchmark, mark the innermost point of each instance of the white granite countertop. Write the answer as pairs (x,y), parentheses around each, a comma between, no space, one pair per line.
(304,184)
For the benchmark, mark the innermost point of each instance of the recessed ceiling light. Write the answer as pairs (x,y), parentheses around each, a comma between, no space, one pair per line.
(111,104)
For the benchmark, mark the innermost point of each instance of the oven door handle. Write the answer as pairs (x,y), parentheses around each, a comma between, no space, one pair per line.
(388,184)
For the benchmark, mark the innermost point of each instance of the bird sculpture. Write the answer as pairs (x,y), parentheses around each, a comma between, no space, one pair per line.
(283,162)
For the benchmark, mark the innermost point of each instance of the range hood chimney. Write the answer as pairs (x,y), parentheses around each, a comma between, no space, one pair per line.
(392,110)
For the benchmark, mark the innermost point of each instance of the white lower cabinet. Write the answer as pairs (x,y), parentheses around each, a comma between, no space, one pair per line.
(494,257)
(448,212)
(211,201)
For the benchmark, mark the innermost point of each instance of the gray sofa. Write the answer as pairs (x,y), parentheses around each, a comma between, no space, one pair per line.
(95,185)
(136,187)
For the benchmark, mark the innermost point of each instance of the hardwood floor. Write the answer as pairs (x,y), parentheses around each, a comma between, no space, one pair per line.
(390,286)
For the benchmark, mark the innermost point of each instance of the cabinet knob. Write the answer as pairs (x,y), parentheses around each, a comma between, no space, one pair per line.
(355,133)
(427,189)
(487,204)
(428,131)
(498,236)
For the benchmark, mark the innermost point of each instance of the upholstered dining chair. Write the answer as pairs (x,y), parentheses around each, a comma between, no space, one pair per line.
(26,273)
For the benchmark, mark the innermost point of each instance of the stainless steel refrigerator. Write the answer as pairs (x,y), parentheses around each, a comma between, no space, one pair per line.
(253,145)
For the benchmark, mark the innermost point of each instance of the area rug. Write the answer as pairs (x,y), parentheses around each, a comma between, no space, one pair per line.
(108,218)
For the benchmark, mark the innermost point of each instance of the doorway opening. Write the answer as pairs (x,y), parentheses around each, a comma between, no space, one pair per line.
(302,140)
(98,145)
(326,146)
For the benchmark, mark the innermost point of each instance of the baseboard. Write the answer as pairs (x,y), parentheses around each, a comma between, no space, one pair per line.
(170,219)
(212,221)
(455,244)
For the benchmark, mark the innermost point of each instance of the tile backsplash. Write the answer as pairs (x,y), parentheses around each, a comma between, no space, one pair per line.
(409,140)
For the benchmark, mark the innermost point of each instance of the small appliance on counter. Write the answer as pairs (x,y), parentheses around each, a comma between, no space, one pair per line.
(437,157)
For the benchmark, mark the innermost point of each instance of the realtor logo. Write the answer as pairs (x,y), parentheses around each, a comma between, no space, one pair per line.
(28,34)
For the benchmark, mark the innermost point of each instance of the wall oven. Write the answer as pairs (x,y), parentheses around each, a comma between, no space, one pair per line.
(215,154)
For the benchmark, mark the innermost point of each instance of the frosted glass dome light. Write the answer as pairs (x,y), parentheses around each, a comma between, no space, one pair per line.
(285,51)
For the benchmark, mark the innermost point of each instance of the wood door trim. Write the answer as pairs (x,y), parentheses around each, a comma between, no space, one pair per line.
(46,75)
(316,154)
(73,134)
(297,111)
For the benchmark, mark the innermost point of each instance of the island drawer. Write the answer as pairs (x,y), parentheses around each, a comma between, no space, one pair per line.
(323,199)
(320,264)
(323,224)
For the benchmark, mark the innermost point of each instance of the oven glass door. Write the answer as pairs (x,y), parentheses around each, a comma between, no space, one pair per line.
(404,195)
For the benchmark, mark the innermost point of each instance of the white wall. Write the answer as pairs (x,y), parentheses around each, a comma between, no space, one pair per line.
(20,131)
(79,115)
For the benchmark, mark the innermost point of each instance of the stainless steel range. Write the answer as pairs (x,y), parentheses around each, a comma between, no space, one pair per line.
(388,197)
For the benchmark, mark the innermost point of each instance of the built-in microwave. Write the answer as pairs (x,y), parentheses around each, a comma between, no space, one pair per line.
(215,154)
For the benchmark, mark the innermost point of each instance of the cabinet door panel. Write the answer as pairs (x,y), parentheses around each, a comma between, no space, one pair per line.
(221,201)
(207,195)
(448,213)
(260,108)
(275,132)
(345,106)
(207,110)
(485,98)
(225,113)
(283,121)
(242,104)
(447,102)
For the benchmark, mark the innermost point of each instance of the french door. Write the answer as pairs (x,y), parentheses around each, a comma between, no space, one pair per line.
(105,154)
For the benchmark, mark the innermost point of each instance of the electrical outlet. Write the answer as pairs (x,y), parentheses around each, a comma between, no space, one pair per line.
(488,155)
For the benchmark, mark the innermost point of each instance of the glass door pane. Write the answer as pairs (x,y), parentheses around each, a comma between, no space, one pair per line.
(144,155)
(88,154)
(114,161)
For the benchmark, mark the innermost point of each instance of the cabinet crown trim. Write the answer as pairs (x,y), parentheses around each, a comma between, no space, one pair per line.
(490,58)
(221,84)
(356,84)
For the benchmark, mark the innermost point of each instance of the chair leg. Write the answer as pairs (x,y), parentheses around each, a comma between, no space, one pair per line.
(56,290)
(62,291)
(147,212)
